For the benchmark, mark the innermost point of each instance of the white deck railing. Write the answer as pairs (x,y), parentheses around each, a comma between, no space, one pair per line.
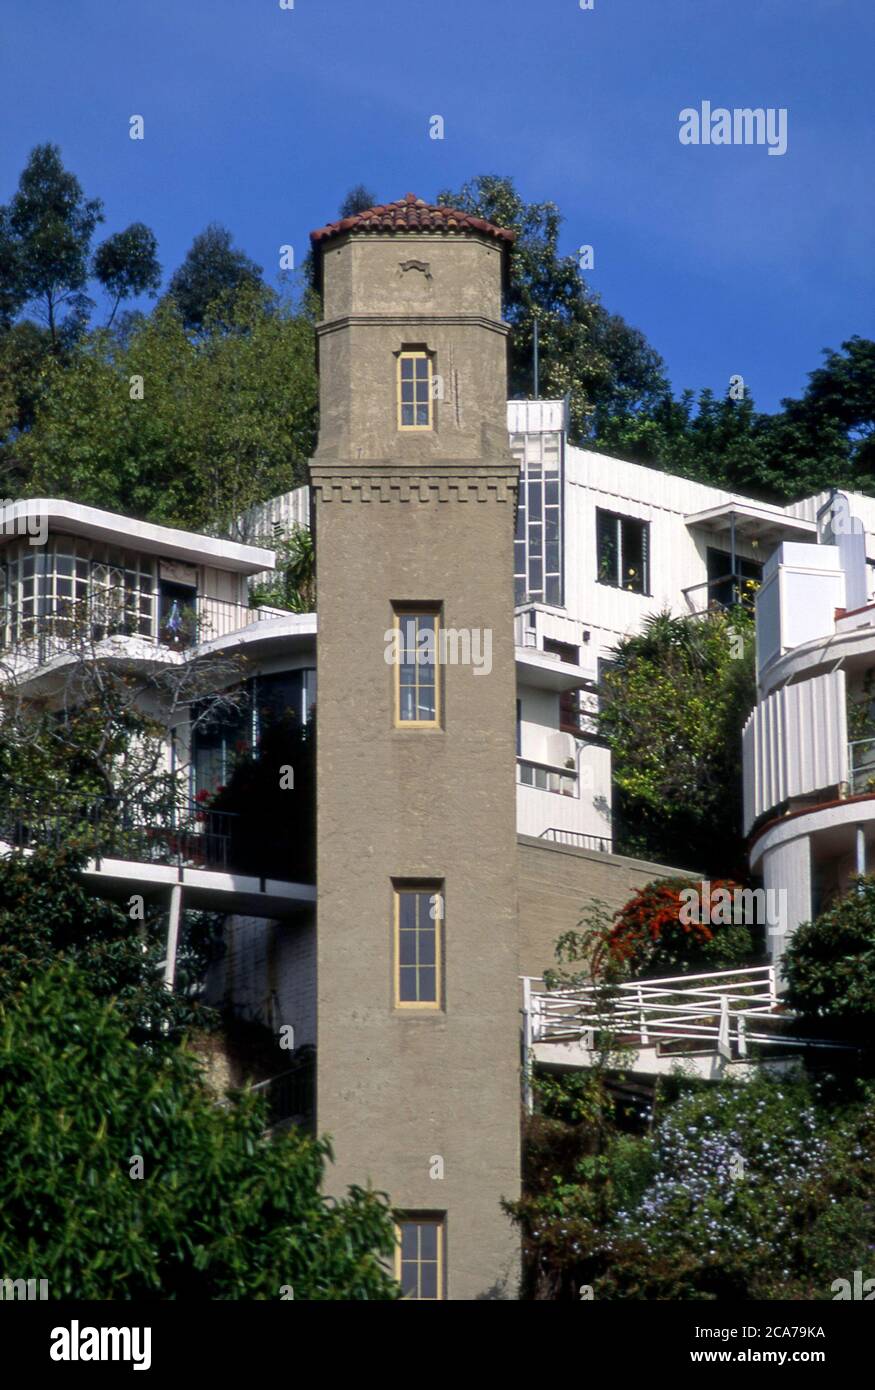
(715,1009)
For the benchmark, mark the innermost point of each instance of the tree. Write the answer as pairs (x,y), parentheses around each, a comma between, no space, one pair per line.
(652,935)
(358,199)
(605,367)
(211,275)
(705,1192)
(96,730)
(672,709)
(217,1210)
(48,227)
(227,417)
(823,439)
(26,360)
(48,915)
(126,264)
(829,966)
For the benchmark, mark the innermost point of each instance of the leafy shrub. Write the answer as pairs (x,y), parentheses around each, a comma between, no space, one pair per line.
(830,966)
(738,1191)
(652,934)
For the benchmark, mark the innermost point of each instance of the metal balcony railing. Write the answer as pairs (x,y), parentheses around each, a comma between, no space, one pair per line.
(861,766)
(291,1095)
(577,839)
(43,638)
(737,588)
(187,835)
(715,1010)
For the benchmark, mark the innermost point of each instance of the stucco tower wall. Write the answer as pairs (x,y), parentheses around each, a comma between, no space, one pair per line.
(408,519)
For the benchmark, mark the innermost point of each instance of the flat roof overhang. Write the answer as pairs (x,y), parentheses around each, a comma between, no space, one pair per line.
(73,519)
(209,889)
(534,667)
(753,522)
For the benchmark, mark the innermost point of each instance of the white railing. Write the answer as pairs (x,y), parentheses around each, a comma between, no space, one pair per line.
(714,1010)
(861,765)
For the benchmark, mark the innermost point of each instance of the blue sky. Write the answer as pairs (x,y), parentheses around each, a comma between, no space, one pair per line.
(730,260)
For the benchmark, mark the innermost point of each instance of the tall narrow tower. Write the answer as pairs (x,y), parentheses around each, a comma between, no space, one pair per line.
(414,489)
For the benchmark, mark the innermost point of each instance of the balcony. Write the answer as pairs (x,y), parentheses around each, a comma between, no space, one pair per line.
(707,1022)
(127,846)
(35,642)
(186,836)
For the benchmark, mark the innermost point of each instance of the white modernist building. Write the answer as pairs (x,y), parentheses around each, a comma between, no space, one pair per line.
(809,750)
(601,544)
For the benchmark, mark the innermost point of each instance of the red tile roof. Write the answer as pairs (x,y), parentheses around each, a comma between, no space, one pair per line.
(411,214)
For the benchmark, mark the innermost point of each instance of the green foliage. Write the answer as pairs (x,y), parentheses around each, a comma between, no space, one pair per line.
(227,418)
(822,439)
(26,362)
(604,366)
(126,264)
(672,710)
(657,933)
(829,966)
(47,914)
(293,584)
(211,276)
(728,1191)
(358,199)
(221,1212)
(46,234)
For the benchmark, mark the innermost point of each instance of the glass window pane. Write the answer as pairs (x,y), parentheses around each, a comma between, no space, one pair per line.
(427,984)
(428,1240)
(606,546)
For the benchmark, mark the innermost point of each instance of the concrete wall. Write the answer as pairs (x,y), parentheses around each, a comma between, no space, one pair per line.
(556,882)
(425,519)
(374,307)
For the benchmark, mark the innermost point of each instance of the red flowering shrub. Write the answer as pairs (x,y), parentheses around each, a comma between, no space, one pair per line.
(664,928)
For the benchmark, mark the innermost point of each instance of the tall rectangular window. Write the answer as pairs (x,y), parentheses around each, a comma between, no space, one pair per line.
(538,546)
(419,1257)
(419,914)
(623,550)
(417,673)
(414,390)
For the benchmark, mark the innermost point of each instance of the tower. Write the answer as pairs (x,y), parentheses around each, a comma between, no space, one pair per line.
(413,493)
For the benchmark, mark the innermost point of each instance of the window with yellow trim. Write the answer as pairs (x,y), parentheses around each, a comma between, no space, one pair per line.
(419,920)
(414,390)
(417,673)
(419,1257)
